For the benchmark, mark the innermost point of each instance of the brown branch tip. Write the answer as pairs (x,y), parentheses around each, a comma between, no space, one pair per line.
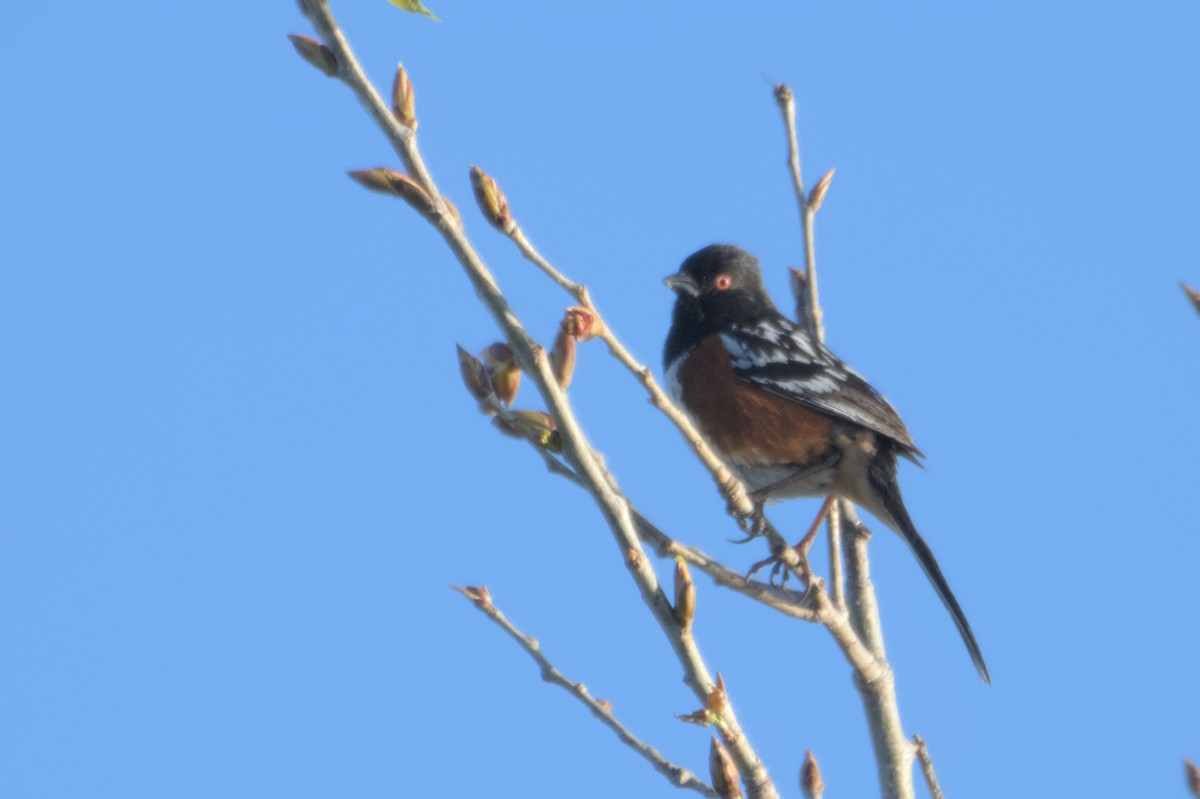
(810,777)
(491,200)
(397,184)
(479,595)
(816,197)
(315,53)
(1192,295)
(685,594)
(403,99)
(722,770)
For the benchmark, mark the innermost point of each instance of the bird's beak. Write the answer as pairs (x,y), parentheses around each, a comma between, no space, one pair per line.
(681,284)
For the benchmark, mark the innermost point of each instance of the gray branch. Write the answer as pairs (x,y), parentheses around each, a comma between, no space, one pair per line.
(678,775)
(935,790)
(534,362)
(877,688)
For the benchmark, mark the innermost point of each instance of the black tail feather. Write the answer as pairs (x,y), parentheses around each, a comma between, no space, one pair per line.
(883,478)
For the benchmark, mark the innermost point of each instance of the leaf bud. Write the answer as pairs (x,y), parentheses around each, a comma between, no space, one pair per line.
(315,53)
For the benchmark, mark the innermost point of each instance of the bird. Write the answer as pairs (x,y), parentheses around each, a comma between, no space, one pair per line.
(783,412)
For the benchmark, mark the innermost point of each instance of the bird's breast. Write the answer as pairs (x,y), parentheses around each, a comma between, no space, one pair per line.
(749,426)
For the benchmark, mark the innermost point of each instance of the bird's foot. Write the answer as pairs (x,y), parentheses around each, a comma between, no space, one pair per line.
(784,563)
(780,569)
(753,525)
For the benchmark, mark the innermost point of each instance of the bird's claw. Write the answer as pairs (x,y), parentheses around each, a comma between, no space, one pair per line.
(779,570)
(753,524)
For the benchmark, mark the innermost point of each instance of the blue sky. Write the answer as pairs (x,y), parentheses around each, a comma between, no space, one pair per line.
(239,470)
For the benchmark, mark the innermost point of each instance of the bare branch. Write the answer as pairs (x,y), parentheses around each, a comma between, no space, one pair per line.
(786,101)
(935,790)
(535,363)
(893,752)
(788,602)
(1193,777)
(877,688)
(813,605)
(679,776)
(833,530)
(863,607)
(784,600)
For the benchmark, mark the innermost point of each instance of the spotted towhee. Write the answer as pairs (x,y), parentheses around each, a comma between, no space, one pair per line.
(787,415)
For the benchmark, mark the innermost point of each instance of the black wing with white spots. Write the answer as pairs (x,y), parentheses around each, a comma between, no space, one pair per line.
(779,356)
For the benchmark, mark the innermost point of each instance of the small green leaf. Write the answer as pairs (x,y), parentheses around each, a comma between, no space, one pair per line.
(414,7)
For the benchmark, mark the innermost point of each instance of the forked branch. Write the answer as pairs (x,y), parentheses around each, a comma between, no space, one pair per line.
(534,362)
(893,752)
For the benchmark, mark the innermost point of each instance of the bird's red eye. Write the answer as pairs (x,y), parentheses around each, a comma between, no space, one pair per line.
(722,282)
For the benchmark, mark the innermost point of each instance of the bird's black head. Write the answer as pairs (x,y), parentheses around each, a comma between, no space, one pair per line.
(716,287)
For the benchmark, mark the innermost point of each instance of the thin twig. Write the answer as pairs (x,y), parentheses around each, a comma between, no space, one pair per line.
(788,602)
(731,487)
(893,752)
(678,775)
(535,363)
(833,530)
(786,101)
(935,790)
(863,605)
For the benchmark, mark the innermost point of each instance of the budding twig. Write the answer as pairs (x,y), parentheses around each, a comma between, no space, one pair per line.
(796,604)
(877,689)
(602,710)
(535,363)
(786,101)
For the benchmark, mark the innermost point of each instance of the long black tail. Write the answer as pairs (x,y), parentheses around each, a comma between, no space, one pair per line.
(883,479)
